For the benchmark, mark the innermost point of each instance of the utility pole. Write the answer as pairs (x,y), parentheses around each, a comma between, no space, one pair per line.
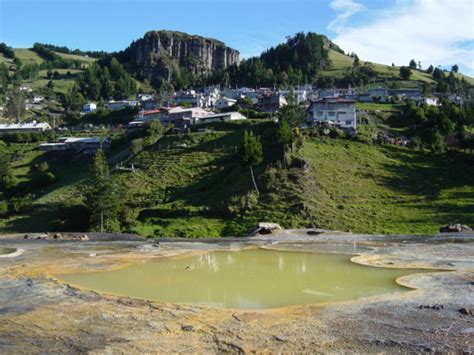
(101,221)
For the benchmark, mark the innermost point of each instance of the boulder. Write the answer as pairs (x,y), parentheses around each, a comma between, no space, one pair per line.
(455,228)
(84,237)
(265,228)
(58,236)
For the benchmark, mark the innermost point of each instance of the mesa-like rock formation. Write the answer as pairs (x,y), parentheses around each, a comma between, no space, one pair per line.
(160,53)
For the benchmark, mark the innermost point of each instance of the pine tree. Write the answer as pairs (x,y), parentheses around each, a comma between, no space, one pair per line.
(251,154)
(101,197)
(16,105)
(284,135)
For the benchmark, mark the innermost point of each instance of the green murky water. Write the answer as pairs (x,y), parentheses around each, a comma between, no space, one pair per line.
(4,251)
(249,279)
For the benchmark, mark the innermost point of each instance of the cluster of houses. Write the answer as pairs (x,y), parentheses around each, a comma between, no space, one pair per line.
(329,106)
(182,117)
(332,107)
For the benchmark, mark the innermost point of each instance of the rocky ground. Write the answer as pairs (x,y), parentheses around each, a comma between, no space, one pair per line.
(39,314)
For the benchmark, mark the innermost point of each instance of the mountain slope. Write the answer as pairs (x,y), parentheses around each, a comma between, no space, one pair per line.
(341,63)
(185,184)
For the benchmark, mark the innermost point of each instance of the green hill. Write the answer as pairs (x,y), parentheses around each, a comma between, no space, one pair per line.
(185,184)
(341,63)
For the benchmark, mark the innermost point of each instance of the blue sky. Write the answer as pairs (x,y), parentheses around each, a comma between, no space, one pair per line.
(378,30)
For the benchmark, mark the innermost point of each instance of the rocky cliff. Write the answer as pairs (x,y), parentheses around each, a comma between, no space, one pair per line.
(160,53)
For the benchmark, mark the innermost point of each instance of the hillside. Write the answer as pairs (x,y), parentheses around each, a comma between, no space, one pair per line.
(185,185)
(62,83)
(341,63)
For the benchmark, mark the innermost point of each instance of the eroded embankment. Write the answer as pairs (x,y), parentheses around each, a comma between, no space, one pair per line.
(39,314)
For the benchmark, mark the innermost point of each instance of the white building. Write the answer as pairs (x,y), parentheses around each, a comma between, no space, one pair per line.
(334,111)
(145,97)
(24,127)
(37,99)
(222,117)
(225,102)
(184,117)
(84,145)
(429,101)
(89,107)
(120,105)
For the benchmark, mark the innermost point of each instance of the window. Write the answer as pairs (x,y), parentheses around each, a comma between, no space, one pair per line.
(319,113)
(332,114)
(348,122)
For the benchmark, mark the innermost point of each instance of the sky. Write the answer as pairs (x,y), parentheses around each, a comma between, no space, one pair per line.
(438,32)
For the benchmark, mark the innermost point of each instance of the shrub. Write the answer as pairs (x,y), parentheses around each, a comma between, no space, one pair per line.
(337,133)
(239,205)
(270,179)
(416,142)
(43,179)
(3,208)
(20,204)
(128,215)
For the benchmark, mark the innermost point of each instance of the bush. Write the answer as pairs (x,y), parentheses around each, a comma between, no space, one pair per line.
(270,179)
(3,208)
(239,205)
(416,142)
(337,133)
(43,179)
(128,215)
(20,204)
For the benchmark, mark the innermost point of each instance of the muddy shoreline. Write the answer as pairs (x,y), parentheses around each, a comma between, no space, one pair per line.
(39,314)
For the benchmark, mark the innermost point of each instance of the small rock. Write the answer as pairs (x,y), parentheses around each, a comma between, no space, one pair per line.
(84,237)
(466,311)
(187,328)
(434,306)
(58,236)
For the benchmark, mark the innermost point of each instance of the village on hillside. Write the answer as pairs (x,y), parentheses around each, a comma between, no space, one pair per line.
(324,107)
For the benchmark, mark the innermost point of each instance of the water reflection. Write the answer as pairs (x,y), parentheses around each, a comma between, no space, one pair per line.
(245,279)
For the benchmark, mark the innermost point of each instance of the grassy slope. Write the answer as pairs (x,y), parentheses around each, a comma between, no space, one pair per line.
(62,84)
(341,63)
(87,60)
(385,189)
(184,190)
(28,56)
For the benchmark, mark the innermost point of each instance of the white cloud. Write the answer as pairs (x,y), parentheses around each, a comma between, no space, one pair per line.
(347,9)
(438,32)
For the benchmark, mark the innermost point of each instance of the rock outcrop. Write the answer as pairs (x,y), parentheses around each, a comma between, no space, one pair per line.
(160,53)
(455,228)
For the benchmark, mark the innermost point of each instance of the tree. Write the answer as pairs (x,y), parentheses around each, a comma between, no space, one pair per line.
(356,61)
(405,73)
(101,196)
(251,154)
(412,64)
(438,74)
(284,135)
(430,69)
(4,78)
(16,104)
(426,89)
(6,177)
(293,113)
(455,68)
